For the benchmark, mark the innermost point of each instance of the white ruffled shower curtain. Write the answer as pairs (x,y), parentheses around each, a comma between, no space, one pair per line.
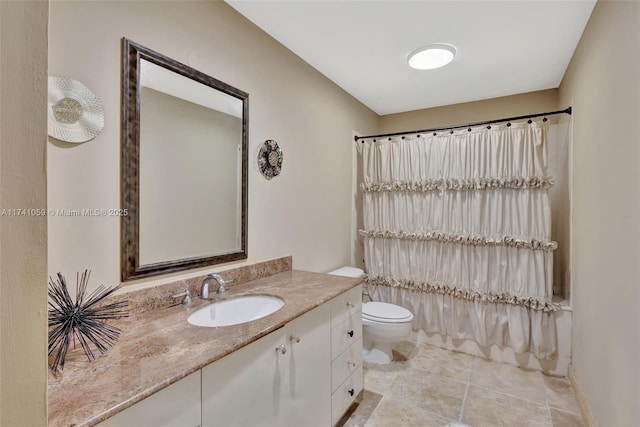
(457,229)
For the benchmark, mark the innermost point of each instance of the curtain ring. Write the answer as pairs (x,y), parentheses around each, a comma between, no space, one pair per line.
(434,134)
(489,127)
(508,124)
(469,130)
(451,132)
(529,121)
(544,120)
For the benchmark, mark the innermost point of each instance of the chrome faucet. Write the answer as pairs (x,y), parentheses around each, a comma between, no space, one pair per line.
(204,289)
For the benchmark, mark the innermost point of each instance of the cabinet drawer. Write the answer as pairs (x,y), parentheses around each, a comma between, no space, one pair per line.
(345,395)
(345,334)
(345,364)
(345,305)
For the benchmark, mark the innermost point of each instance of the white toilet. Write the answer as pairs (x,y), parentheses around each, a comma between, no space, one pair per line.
(383,324)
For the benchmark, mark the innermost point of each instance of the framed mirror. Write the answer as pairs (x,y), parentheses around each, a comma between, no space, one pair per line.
(183,166)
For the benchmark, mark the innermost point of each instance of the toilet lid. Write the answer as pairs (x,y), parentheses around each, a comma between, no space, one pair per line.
(385,312)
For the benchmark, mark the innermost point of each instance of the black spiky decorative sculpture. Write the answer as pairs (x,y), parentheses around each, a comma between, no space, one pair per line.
(82,320)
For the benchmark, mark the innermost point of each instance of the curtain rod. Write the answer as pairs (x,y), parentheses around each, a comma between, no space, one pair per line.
(468,125)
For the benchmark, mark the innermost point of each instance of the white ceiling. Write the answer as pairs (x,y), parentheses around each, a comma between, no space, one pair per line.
(504,47)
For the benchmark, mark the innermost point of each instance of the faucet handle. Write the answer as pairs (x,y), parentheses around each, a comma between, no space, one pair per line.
(186,295)
(221,286)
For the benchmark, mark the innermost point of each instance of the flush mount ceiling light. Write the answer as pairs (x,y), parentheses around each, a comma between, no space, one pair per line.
(432,56)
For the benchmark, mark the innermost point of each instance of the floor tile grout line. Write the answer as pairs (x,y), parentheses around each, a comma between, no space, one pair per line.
(511,395)
(427,411)
(416,408)
(546,401)
(555,407)
(566,411)
(440,375)
(466,391)
(503,393)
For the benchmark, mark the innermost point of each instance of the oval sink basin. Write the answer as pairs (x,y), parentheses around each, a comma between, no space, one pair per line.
(235,311)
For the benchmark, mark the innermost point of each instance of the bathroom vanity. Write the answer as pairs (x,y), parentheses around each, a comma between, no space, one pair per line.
(301,365)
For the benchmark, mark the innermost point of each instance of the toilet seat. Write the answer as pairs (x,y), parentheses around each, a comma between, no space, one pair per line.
(383,312)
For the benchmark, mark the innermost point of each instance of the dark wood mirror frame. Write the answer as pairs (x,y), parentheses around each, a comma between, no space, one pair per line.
(131,269)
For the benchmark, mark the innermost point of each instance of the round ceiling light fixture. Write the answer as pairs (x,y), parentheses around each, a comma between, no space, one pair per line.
(432,56)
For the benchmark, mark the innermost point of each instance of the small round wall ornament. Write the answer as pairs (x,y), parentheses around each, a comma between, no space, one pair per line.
(270,159)
(74,113)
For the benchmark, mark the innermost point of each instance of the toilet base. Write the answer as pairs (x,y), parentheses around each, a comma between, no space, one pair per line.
(380,353)
(378,340)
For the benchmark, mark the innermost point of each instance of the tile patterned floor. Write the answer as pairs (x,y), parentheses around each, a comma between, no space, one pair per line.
(436,387)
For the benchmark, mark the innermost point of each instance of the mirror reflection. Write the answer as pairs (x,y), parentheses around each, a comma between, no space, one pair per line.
(189,133)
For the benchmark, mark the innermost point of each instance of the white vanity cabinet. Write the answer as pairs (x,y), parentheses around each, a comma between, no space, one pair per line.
(283,379)
(346,351)
(306,373)
(175,406)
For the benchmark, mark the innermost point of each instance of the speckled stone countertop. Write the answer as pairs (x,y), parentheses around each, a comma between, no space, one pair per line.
(159,347)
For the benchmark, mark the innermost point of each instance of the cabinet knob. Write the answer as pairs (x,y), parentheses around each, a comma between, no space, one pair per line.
(350,333)
(350,304)
(282,349)
(351,363)
(295,339)
(351,391)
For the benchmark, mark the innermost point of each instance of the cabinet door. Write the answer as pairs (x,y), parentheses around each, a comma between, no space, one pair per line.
(307,389)
(259,386)
(175,406)
(245,387)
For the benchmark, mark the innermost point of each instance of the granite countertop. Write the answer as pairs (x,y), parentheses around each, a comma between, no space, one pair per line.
(159,347)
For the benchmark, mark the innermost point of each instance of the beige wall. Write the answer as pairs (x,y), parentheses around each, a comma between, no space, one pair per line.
(506,106)
(603,84)
(305,212)
(23,238)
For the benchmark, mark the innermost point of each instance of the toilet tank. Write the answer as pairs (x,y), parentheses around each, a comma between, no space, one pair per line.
(347,272)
